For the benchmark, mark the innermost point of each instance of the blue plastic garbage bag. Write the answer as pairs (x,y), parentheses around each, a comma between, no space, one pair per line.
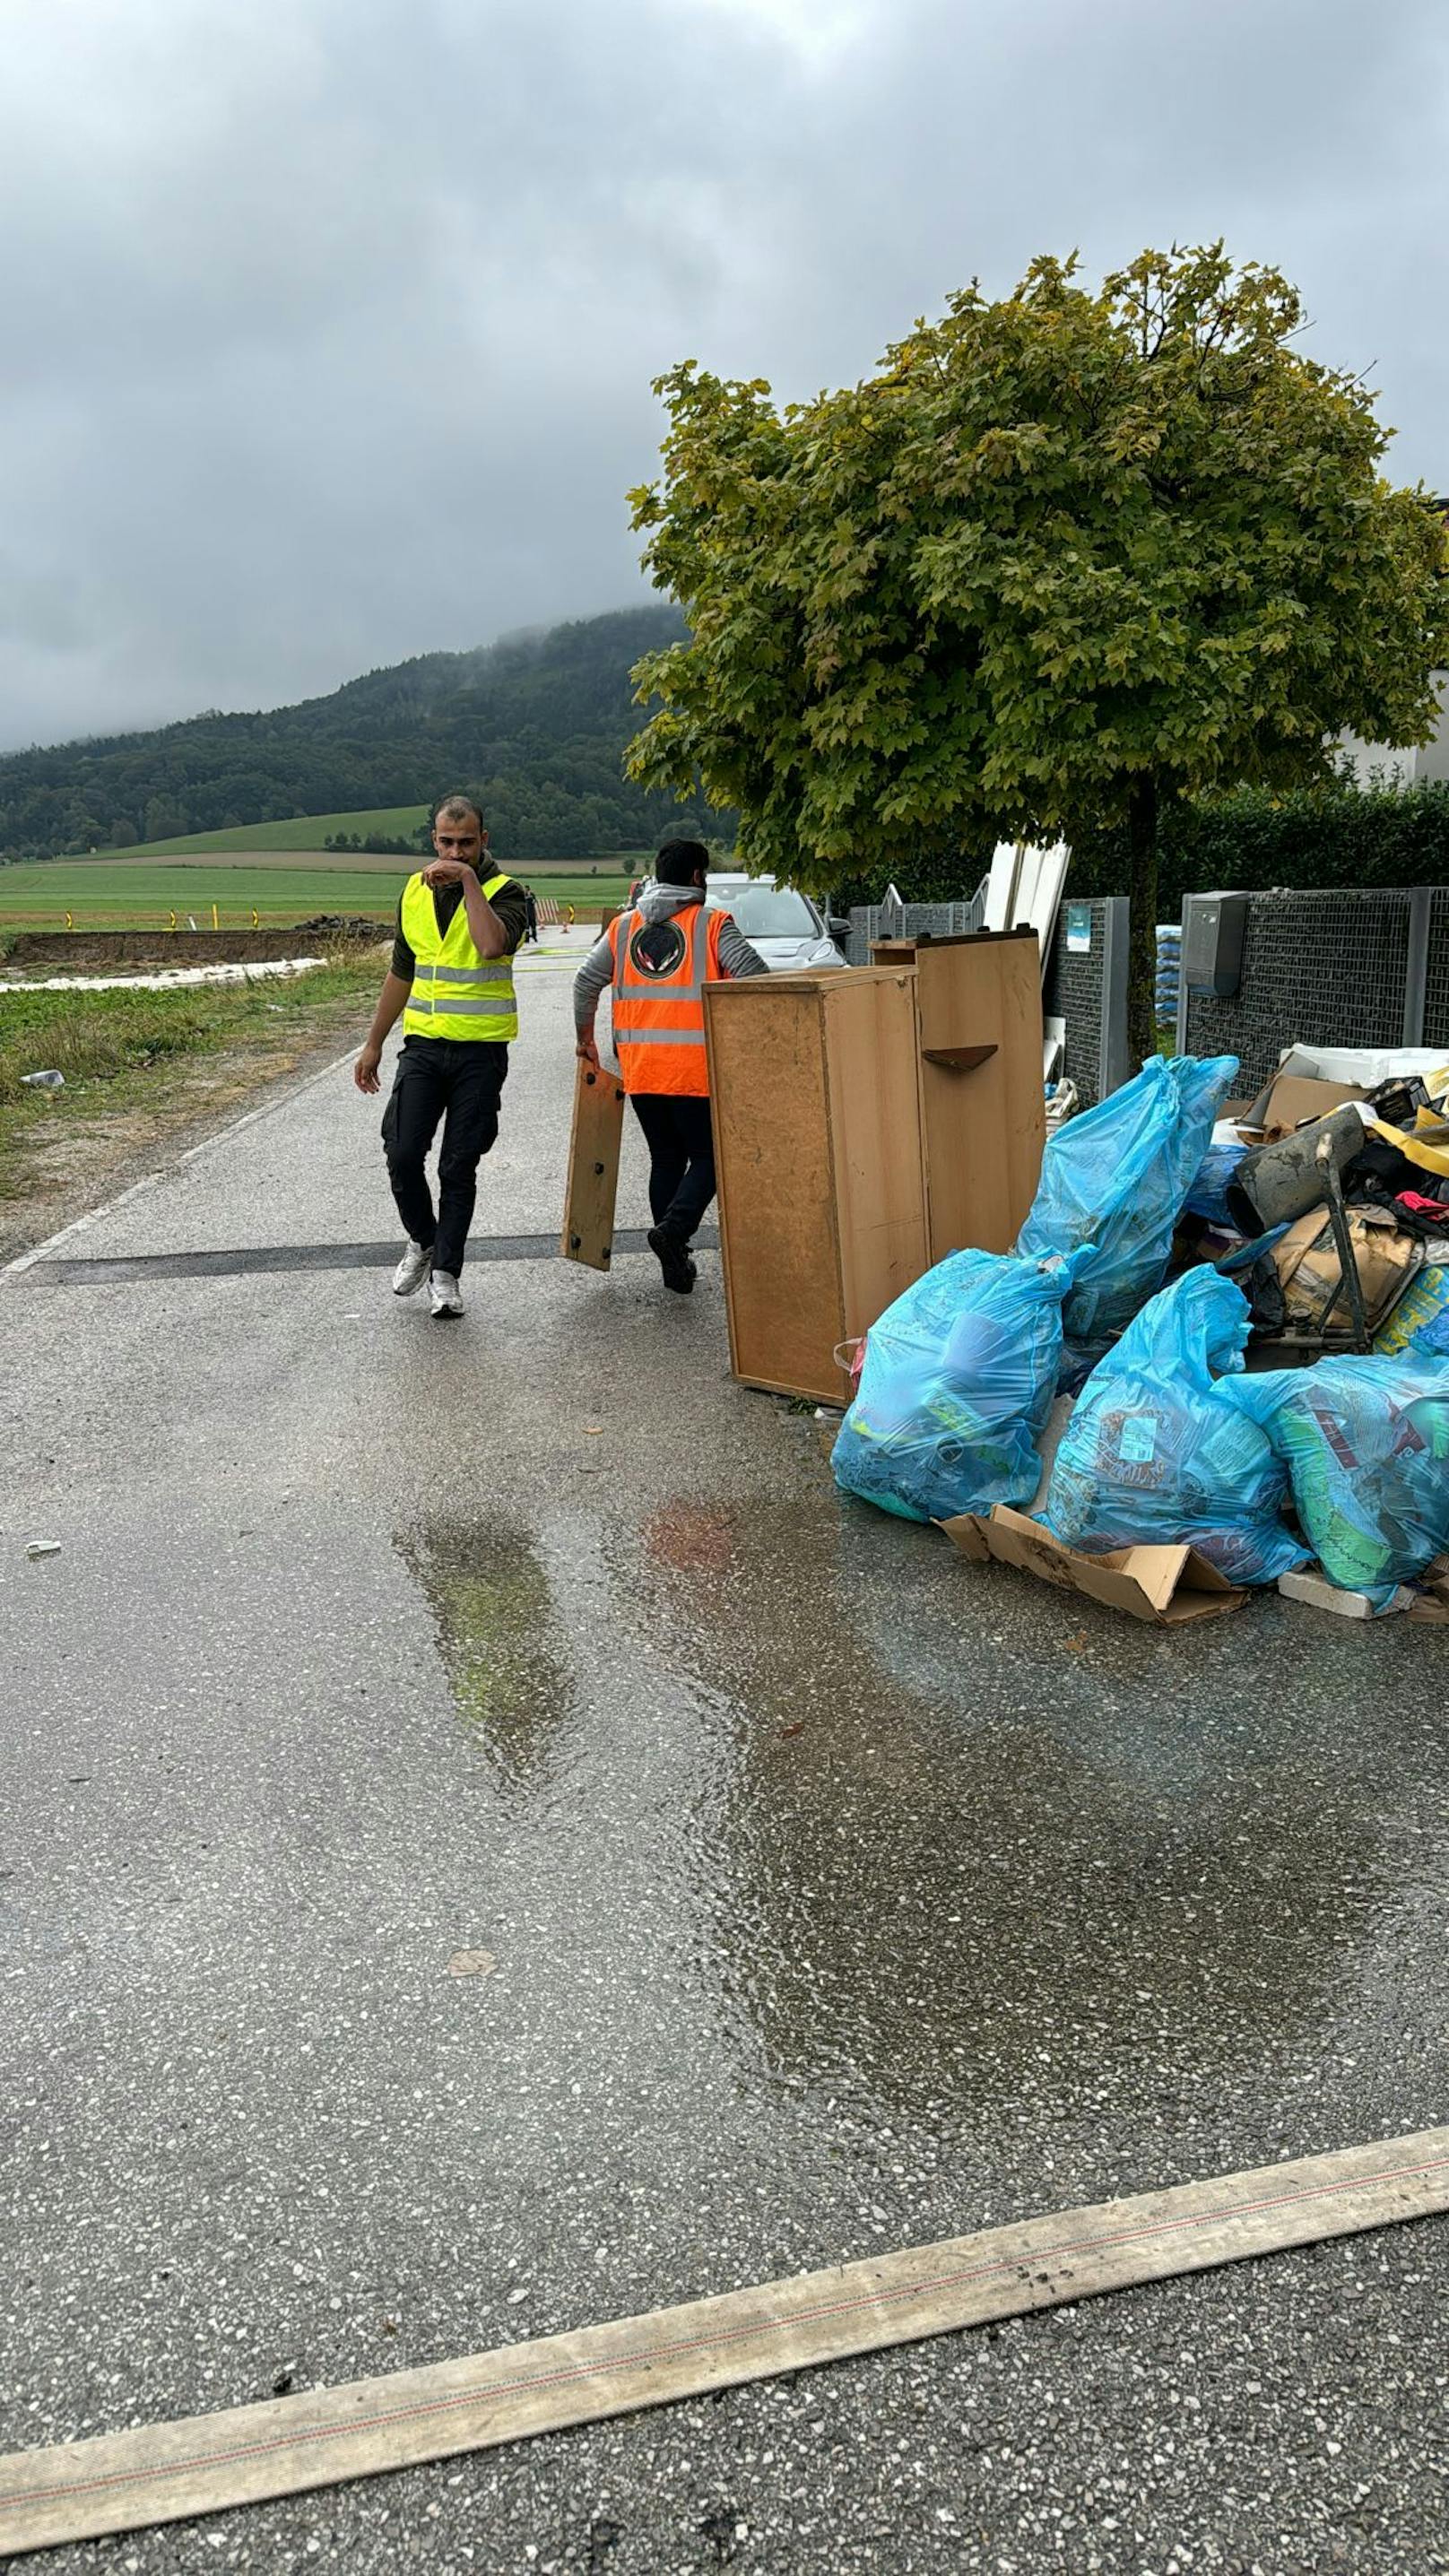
(1207,1197)
(1366,1442)
(1157,1454)
(957,1384)
(1114,1180)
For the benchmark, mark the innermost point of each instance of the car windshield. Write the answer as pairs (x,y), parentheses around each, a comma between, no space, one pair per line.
(769,912)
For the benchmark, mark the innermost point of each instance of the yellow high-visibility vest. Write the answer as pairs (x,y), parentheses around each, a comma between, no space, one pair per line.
(456,993)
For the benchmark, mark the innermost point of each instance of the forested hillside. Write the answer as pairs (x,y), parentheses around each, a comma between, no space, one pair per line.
(537,724)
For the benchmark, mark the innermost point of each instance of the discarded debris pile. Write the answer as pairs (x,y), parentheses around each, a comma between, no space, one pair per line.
(346,927)
(1158,1452)
(1250,1308)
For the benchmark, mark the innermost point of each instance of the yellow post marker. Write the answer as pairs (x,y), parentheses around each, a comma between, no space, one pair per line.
(256,918)
(173,921)
(70,921)
(215,921)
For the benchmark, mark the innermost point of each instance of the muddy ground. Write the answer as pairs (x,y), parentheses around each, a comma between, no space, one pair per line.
(102,951)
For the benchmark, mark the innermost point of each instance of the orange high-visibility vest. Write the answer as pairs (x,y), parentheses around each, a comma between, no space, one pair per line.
(659,984)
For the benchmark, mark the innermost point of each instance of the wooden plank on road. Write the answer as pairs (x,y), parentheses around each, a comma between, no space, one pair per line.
(164,2472)
(593,1181)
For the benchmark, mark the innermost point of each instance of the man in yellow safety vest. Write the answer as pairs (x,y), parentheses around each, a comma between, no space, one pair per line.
(451,983)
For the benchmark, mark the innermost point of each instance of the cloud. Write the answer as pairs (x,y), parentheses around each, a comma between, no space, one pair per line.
(330,330)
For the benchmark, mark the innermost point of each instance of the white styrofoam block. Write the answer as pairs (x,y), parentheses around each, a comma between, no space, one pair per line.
(1368,1065)
(1311,1584)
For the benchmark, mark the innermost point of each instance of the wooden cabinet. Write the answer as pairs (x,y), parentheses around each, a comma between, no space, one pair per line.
(867,1124)
(817,1119)
(983,1101)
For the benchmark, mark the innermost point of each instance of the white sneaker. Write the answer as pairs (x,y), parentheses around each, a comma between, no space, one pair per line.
(413,1269)
(447,1295)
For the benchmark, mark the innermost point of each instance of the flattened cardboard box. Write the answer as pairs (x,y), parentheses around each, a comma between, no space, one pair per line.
(1289,1101)
(1166,1586)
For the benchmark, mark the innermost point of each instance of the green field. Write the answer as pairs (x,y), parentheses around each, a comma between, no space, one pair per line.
(270,844)
(115,894)
(121,894)
(302,832)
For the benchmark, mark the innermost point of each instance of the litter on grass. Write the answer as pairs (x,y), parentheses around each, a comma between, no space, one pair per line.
(171,978)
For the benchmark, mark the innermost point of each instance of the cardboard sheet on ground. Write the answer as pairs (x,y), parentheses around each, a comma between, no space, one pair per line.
(1167,1586)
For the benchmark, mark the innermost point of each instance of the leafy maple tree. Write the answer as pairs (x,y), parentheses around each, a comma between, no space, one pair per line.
(1067,556)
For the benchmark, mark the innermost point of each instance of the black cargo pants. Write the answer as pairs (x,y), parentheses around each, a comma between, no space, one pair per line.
(458,1080)
(681,1158)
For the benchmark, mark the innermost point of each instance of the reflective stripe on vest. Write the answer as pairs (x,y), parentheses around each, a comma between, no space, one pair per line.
(659,1017)
(455,993)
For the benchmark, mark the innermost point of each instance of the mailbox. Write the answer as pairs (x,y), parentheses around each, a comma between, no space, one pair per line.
(1212,943)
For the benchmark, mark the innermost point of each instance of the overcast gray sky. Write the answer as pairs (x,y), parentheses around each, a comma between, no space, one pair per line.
(328,325)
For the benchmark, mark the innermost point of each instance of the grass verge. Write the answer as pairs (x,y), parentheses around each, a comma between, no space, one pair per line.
(122,1051)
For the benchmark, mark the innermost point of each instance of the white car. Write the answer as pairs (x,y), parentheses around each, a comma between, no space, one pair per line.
(782,924)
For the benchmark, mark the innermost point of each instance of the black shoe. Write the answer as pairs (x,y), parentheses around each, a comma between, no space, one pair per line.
(674,1261)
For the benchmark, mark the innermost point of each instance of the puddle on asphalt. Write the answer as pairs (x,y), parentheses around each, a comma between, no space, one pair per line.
(490,1601)
(884,1828)
(963,1843)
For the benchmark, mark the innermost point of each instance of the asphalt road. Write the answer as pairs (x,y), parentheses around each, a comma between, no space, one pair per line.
(838,1896)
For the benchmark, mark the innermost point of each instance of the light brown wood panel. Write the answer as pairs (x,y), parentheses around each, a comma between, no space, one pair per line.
(166,2472)
(875,1120)
(817,1148)
(593,1181)
(983,1126)
(776,1193)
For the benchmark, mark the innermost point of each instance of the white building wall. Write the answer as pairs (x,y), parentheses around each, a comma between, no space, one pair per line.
(1428,760)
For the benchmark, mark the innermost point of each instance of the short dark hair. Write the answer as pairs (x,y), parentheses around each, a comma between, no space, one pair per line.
(457,803)
(680,862)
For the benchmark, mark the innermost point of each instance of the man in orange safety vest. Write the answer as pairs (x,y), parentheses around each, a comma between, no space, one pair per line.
(657,957)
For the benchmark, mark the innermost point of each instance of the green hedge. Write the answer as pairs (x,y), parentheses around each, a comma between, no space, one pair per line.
(1339,836)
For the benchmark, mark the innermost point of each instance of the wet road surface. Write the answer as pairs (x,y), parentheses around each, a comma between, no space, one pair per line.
(830,1895)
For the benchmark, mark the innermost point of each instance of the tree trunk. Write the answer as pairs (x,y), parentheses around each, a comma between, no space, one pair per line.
(1142,954)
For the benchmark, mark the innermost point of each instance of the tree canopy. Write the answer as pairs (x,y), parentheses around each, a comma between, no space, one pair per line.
(1069,555)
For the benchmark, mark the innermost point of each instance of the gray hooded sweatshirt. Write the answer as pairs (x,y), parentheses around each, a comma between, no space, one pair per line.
(657,903)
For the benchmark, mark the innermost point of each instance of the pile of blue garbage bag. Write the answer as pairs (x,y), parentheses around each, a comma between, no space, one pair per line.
(1171,1440)
(957,1383)
(1366,1444)
(1113,1185)
(1156,1451)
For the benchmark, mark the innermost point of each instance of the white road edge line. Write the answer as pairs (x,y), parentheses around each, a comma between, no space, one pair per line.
(93,1216)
